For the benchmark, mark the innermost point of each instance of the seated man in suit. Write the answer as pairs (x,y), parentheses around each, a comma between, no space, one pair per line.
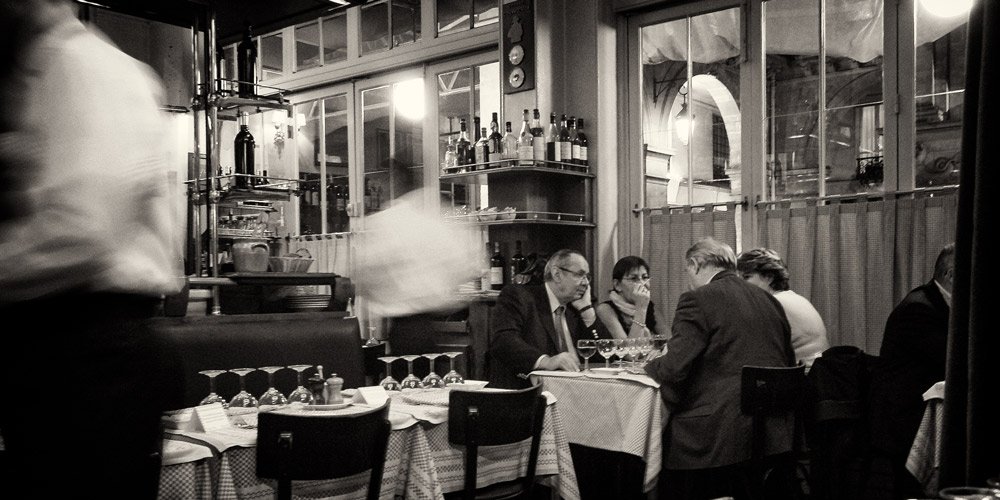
(911,360)
(535,327)
(722,324)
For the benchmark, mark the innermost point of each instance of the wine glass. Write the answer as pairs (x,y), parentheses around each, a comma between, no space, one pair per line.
(620,350)
(389,383)
(243,399)
(606,348)
(300,394)
(659,343)
(432,380)
(453,377)
(411,381)
(586,348)
(645,347)
(272,396)
(213,397)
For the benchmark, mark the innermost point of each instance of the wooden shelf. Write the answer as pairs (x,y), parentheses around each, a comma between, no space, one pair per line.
(511,167)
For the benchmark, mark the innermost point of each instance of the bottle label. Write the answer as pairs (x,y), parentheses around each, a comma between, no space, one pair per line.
(484,283)
(538,148)
(525,153)
(565,150)
(495,157)
(576,152)
(496,276)
(583,155)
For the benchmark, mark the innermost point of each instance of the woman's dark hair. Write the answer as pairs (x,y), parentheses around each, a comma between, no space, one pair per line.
(626,264)
(767,264)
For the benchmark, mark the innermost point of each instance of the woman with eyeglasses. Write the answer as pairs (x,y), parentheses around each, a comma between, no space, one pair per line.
(629,313)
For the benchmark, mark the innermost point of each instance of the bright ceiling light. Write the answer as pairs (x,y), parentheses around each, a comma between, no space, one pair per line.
(682,123)
(947,8)
(408,98)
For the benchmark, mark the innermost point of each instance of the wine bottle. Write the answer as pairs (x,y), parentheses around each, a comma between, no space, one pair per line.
(341,207)
(537,137)
(477,130)
(482,149)
(552,150)
(565,142)
(496,142)
(246,64)
(449,157)
(517,262)
(525,153)
(497,266)
(580,145)
(243,153)
(463,148)
(509,144)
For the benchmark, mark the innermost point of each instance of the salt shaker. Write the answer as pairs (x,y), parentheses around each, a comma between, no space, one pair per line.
(331,390)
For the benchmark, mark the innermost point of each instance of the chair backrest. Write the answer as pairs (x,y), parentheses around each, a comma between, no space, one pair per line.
(486,418)
(306,446)
(770,391)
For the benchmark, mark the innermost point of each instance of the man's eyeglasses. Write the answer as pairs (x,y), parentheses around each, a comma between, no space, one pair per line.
(580,275)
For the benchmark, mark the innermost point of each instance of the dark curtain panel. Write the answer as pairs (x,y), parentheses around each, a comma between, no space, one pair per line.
(971,436)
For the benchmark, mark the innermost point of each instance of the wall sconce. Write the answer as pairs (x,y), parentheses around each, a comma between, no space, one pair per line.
(683,120)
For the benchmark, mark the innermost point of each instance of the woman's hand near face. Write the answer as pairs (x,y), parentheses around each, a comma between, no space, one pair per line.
(640,297)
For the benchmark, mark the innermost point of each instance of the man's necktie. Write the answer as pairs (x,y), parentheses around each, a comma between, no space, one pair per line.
(560,334)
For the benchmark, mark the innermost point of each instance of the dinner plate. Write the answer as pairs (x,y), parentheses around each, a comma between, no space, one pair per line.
(338,406)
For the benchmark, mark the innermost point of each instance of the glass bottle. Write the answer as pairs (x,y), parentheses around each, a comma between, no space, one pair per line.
(473,155)
(565,142)
(517,262)
(462,149)
(580,145)
(482,149)
(243,153)
(509,144)
(538,137)
(449,160)
(552,150)
(497,266)
(525,152)
(496,142)
(246,64)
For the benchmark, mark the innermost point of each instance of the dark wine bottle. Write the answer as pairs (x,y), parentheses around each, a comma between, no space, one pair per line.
(243,153)
(463,147)
(517,262)
(497,265)
(537,137)
(246,64)
(496,142)
(552,140)
(580,145)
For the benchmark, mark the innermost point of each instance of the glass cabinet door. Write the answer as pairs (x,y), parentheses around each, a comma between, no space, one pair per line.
(323,146)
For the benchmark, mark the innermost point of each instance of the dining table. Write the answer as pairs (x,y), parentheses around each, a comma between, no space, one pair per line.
(420,462)
(612,416)
(924,459)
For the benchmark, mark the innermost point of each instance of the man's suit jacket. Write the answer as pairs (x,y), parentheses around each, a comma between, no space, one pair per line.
(522,329)
(911,360)
(718,328)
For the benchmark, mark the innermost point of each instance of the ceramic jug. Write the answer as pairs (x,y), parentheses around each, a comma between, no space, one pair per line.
(250,256)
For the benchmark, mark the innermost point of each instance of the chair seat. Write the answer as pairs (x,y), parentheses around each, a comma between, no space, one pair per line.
(498,491)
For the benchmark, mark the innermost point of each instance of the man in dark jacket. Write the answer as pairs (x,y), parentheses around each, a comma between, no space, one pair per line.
(721,325)
(535,327)
(911,360)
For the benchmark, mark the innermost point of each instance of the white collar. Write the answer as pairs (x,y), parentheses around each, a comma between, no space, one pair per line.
(553,301)
(944,293)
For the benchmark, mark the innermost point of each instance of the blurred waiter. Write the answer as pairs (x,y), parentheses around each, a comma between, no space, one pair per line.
(87,250)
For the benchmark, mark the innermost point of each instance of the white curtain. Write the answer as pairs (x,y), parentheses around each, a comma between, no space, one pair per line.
(331,253)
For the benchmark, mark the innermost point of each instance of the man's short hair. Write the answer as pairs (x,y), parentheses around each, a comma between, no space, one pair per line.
(558,259)
(945,261)
(767,264)
(711,252)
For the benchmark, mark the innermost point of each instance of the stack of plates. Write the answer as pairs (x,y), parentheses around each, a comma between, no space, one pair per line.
(307,302)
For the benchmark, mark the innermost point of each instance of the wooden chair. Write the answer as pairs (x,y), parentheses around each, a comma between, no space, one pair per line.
(304,447)
(767,393)
(482,418)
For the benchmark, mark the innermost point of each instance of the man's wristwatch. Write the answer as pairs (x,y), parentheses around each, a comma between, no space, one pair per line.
(584,308)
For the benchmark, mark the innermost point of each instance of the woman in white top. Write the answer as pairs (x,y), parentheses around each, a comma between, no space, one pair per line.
(764,268)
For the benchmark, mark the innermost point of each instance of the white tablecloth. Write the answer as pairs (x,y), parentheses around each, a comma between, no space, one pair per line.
(924,460)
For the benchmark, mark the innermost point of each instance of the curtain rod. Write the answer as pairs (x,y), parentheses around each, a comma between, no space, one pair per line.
(706,206)
(857,196)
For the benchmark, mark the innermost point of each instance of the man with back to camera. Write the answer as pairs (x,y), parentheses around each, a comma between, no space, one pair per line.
(722,324)
(535,327)
(911,360)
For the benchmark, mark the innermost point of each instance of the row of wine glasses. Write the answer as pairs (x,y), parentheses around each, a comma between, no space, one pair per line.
(637,350)
(411,381)
(271,397)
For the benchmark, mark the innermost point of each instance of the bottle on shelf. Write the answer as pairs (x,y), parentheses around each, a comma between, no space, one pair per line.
(496,142)
(482,149)
(525,146)
(580,145)
(537,137)
(243,153)
(463,148)
(565,142)
(509,144)
(497,267)
(246,64)
(341,207)
(449,158)
(552,151)
(473,155)
(517,262)
(262,180)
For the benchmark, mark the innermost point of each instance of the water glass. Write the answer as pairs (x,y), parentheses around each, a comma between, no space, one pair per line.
(586,348)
